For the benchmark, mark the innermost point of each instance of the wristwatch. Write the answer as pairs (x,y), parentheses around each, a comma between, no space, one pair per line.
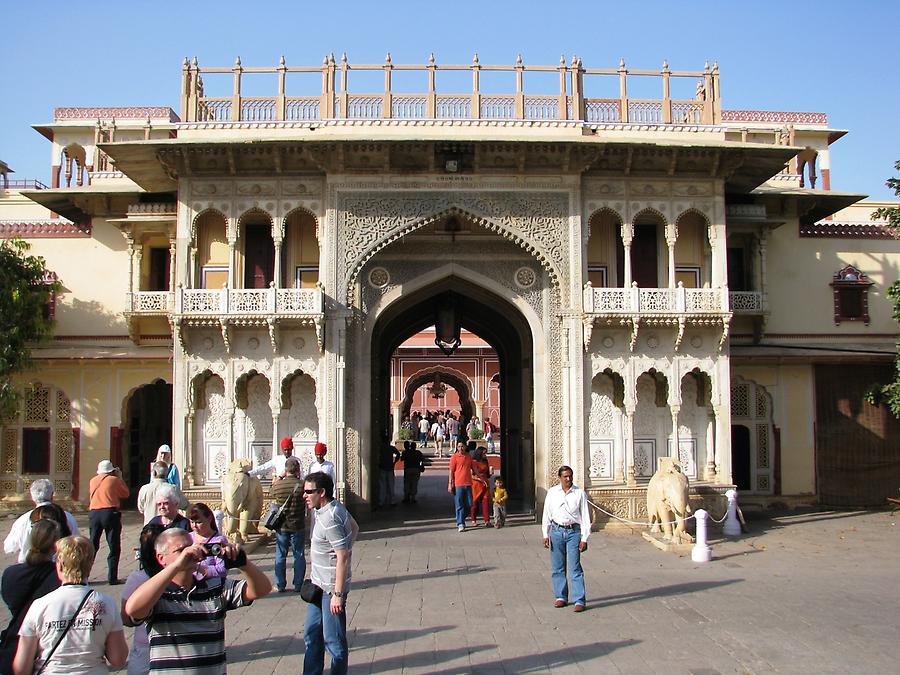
(340,595)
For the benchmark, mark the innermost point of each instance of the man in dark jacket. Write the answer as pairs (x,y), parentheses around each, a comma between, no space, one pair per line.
(290,534)
(413,466)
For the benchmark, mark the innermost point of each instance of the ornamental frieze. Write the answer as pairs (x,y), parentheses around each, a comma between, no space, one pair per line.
(536,221)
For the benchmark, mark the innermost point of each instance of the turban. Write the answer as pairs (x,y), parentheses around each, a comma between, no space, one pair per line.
(320,449)
(287,443)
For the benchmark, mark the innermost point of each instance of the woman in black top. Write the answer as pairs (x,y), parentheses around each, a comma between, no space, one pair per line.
(23,583)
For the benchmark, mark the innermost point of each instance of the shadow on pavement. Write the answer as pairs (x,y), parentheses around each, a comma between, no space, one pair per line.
(659,592)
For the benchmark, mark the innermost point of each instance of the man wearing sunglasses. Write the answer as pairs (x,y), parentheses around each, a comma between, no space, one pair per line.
(330,546)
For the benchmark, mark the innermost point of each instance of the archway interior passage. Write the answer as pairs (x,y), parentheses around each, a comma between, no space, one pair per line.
(147,425)
(465,384)
(495,323)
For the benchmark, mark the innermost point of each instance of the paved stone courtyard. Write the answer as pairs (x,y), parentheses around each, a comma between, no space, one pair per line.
(813,592)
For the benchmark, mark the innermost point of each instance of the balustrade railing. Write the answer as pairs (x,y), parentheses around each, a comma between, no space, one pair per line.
(151,302)
(746,302)
(334,99)
(636,300)
(247,301)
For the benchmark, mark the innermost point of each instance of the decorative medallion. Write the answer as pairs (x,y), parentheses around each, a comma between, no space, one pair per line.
(221,367)
(207,343)
(653,342)
(299,343)
(696,342)
(525,277)
(379,277)
(608,342)
(253,343)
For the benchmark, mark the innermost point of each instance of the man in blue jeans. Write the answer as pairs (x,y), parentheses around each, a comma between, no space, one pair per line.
(460,483)
(330,548)
(565,527)
(289,491)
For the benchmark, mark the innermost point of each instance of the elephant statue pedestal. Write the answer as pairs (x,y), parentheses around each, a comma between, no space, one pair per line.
(668,507)
(242,500)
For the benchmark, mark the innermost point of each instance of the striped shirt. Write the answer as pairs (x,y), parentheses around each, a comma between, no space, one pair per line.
(187,627)
(332,532)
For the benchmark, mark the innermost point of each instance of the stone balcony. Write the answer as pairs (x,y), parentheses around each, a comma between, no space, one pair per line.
(746,303)
(228,307)
(635,306)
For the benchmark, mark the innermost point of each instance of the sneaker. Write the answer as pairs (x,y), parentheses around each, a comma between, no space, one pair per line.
(460,528)
(558,603)
(579,607)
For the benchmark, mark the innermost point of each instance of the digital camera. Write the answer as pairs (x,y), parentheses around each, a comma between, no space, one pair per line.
(214,550)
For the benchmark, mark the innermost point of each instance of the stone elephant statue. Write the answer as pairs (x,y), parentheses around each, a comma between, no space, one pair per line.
(242,501)
(668,501)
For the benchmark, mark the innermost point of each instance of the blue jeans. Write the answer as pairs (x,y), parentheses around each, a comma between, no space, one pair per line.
(284,541)
(423,438)
(564,549)
(325,630)
(462,497)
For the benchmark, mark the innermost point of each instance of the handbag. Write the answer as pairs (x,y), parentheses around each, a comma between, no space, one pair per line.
(276,515)
(310,592)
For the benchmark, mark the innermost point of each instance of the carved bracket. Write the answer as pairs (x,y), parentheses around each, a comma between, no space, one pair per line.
(588,328)
(177,331)
(726,326)
(225,327)
(273,334)
(680,336)
(635,325)
(319,322)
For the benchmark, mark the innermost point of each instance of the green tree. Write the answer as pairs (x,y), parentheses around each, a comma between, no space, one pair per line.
(23,320)
(889,394)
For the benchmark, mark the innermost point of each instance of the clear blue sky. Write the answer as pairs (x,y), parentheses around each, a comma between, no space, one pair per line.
(830,56)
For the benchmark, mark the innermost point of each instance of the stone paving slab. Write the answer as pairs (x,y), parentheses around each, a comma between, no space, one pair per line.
(802,592)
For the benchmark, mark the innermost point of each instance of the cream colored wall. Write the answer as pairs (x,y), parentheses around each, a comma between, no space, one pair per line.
(98,390)
(862,211)
(13,206)
(94,276)
(793,410)
(799,271)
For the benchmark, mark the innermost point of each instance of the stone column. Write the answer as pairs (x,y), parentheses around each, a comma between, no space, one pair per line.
(395,409)
(671,237)
(619,450)
(130,241)
(626,243)
(710,468)
(721,434)
(674,452)
(138,255)
(278,244)
(629,446)
(190,460)
(717,246)
(172,243)
(232,244)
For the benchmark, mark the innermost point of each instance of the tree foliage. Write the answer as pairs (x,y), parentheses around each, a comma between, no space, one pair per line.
(24,294)
(889,394)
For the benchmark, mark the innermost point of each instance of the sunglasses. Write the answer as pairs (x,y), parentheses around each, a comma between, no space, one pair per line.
(311,492)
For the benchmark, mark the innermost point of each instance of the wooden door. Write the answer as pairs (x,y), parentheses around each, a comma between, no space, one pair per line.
(644,262)
(259,256)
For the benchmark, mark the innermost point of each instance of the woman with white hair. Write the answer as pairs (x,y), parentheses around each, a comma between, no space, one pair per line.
(167,498)
(75,628)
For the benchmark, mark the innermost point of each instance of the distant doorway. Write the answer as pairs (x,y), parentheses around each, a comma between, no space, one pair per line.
(740,457)
(259,256)
(148,424)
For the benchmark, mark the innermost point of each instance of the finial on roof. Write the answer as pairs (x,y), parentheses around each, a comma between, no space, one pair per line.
(186,62)
(343,57)
(706,67)
(281,60)
(325,60)
(195,64)
(715,66)
(665,65)
(580,62)
(519,59)
(237,62)
(431,59)
(562,59)
(387,59)
(574,61)
(475,59)
(622,62)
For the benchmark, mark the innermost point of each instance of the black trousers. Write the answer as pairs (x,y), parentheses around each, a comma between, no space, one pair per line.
(109,521)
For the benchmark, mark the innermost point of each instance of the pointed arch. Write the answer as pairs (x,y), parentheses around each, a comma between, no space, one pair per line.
(647,215)
(300,249)
(453,377)
(543,257)
(604,247)
(753,449)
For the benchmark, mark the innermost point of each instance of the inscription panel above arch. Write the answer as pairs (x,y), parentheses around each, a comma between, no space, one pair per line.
(368,221)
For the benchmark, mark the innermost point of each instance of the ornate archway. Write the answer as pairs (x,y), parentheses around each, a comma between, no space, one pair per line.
(450,377)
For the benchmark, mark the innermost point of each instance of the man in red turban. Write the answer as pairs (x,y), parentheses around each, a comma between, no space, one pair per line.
(322,464)
(276,464)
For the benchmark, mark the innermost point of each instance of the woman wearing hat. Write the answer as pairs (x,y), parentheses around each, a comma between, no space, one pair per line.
(107,489)
(164,454)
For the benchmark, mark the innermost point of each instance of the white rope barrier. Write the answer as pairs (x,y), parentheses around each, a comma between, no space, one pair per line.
(646,524)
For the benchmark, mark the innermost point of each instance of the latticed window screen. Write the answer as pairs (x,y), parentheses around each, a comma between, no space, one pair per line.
(38,442)
(751,407)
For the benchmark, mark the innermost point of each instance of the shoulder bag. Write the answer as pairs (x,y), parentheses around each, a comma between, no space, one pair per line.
(65,631)
(276,514)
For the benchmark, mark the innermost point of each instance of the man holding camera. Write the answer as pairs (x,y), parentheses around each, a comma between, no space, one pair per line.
(187,616)
(106,490)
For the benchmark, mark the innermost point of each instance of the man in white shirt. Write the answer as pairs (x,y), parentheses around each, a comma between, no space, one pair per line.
(424,427)
(17,542)
(276,464)
(322,464)
(565,528)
